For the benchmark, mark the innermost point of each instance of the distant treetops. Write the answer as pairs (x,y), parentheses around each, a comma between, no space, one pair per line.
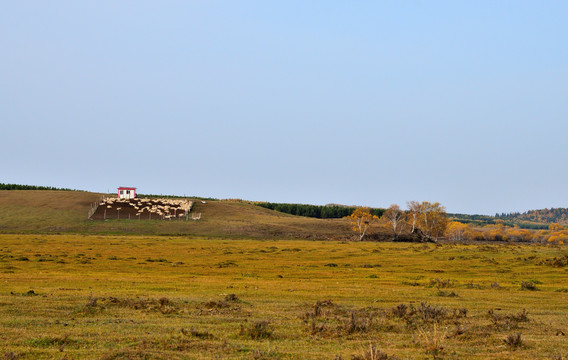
(552,215)
(31,187)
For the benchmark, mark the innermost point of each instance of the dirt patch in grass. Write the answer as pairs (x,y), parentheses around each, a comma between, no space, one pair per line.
(560,261)
(230,303)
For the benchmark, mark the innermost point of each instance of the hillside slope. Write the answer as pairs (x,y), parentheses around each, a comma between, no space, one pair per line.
(43,210)
(39,211)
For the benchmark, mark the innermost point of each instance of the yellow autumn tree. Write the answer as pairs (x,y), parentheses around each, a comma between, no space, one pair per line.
(517,234)
(456,231)
(556,227)
(558,234)
(496,232)
(360,221)
(558,237)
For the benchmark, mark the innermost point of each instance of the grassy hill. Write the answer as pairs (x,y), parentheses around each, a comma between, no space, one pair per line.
(65,211)
(46,211)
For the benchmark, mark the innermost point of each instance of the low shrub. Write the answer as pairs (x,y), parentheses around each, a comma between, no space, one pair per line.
(359,323)
(507,321)
(440,283)
(9,355)
(514,341)
(425,314)
(528,285)
(495,285)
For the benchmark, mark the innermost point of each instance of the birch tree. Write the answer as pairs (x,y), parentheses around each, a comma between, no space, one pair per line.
(395,220)
(413,213)
(430,218)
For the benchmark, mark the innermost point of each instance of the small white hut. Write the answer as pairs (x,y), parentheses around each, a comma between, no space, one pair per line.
(126,192)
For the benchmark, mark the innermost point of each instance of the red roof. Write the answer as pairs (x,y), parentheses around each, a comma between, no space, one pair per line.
(126,188)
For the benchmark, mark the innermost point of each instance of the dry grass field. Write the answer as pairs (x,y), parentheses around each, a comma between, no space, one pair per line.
(157,297)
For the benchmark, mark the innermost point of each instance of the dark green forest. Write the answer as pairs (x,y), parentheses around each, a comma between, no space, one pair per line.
(31,187)
(315,211)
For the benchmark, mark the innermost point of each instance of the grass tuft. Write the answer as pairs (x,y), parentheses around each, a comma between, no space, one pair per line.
(10,355)
(432,339)
(265,354)
(443,293)
(198,334)
(257,330)
(372,353)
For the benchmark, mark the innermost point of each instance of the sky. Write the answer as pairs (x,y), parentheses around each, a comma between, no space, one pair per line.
(352,102)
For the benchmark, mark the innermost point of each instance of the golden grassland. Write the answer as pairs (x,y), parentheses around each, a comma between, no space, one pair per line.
(159,297)
(44,211)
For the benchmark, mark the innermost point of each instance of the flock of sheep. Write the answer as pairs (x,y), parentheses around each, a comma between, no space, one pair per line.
(159,208)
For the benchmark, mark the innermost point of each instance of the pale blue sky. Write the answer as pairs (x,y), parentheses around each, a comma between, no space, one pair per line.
(366,103)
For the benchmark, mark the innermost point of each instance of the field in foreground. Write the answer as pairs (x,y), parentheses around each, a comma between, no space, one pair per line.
(105,297)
